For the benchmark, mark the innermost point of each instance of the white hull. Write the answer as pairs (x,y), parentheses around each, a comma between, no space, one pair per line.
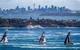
(36,26)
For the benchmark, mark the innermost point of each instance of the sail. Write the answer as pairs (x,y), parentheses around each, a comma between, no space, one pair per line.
(68,39)
(42,39)
(4,38)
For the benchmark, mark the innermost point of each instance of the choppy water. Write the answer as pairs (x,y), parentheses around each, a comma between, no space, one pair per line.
(23,38)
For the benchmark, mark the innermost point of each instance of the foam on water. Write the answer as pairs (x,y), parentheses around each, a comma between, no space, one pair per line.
(43,46)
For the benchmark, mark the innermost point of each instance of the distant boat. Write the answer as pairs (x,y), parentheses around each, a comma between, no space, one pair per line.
(4,38)
(35,26)
(68,40)
(30,25)
(38,26)
(42,39)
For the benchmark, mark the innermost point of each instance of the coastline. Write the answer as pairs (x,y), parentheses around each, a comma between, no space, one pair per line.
(19,22)
(43,27)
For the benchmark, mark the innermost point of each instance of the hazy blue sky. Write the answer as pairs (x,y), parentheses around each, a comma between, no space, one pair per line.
(71,4)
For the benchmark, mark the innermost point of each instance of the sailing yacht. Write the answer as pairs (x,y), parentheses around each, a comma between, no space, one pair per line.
(68,40)
(42,39)
(30,25)
(33,26)
(4,39)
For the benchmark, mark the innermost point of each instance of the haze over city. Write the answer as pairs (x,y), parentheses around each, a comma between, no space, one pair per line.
(71,4)
(39,24)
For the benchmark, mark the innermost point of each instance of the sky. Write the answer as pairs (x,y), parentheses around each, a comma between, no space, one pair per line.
(71,4)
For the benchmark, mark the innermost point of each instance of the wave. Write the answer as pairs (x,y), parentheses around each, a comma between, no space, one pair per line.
(76,43)
(38,46)
(50,45)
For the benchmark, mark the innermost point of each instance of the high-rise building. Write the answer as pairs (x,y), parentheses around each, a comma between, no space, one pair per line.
(29,8)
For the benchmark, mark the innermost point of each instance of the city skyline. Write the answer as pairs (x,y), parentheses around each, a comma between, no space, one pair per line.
(9,4)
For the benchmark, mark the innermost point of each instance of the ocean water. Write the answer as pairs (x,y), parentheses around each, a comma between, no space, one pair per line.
(22,38)
(35,16)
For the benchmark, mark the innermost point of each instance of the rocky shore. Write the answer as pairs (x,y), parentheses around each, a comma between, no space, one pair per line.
(18,22)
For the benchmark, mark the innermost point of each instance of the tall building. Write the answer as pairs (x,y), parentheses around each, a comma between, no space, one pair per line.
(29,8)
(39,7)
(46,6)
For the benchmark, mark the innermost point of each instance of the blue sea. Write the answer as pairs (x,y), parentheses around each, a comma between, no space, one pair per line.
(35,16)
(22,38)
